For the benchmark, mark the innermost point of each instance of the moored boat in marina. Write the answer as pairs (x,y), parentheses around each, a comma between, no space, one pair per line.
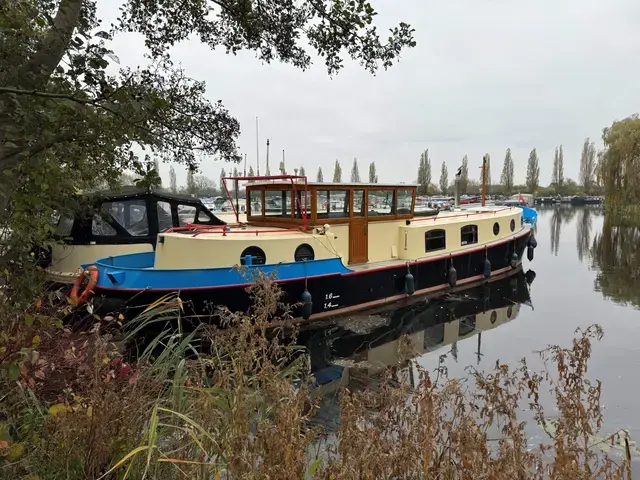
(332,248)
(118,223)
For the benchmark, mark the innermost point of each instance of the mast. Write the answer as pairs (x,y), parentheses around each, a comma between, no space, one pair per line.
(283,170)
(484,180)
(257,148)
(245,165)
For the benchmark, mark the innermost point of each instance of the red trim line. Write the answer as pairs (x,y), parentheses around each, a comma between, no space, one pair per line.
(359,272)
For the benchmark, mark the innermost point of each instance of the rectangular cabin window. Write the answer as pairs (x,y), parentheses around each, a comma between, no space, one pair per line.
(165,220)
(302,204)
(405,201)
(101,228)
(382,202)
(130,214)
(333,203)
(277,203)
(254,202)
(64,225)
(435,240)
(359,203)
(469,234)
(186,214)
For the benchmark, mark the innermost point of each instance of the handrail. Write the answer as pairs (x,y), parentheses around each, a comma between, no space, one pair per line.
(291,178)
(257,232)
(435,217)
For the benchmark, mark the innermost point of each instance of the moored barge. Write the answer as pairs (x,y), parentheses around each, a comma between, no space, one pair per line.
(332,249)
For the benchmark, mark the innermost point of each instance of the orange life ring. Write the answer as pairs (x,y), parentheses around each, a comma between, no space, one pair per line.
(93,280)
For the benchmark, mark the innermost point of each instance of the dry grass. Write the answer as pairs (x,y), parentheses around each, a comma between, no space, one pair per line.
(239,403)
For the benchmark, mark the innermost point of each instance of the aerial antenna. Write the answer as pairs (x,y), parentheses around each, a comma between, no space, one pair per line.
(268,172)
(257,148)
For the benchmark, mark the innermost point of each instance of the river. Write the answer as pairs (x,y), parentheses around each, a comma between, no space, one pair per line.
(586,272)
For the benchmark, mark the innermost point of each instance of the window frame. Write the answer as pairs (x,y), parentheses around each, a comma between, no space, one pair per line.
(474,230)
(426,239)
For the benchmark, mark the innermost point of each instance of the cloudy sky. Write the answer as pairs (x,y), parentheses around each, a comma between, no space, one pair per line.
(485,75)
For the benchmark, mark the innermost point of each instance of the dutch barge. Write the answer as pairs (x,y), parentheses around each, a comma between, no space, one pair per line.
(332,248)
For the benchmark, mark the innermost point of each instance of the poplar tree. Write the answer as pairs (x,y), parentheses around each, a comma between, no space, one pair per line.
(373,177)
(337,173)
(319,177)
(464,176)
(533,172)
(355,173)
(424,173)
(173,181)
(444,179)
(507,172)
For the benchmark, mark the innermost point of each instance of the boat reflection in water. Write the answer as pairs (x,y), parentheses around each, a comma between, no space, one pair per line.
(355,351)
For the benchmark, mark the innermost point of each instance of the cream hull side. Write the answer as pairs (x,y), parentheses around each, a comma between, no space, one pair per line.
(66,259)
(386,241)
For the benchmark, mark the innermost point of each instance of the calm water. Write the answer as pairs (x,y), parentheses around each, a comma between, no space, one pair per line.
(586,271)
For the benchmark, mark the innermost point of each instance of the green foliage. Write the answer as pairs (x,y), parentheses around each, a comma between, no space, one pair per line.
(506,179)
(620,170)
(424,173)
(444,179)
(276,30)
(373,177)
(173,182)
(464,176)
(251,173)
(533,172)
(302,172)
(337,173)
(355,172)
(319,177)
(588,165)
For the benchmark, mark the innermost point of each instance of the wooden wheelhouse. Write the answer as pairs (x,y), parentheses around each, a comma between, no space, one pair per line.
(290,200)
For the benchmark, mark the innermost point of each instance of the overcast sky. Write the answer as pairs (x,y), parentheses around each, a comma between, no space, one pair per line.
(485,75)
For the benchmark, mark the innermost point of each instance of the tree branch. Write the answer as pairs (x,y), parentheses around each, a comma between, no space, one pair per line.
(37,70)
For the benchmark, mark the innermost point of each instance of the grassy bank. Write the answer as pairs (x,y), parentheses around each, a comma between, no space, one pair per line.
(239,403)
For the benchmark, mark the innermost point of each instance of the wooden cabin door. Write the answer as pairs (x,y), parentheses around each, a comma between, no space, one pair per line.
(358,241)
(358,238)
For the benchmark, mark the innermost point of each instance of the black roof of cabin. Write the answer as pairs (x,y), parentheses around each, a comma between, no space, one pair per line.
(131,192)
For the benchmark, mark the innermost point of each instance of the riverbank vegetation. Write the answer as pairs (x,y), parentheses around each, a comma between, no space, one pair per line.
(240,402)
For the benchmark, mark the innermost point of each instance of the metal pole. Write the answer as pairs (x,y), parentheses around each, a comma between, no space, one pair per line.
(257,148)
(268,172)
(484,180)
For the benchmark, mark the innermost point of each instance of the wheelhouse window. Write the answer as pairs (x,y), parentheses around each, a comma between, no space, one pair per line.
(359,203)
(435,240)
(382,202)
(469,235)
(405,201)
(332,203)
(277,203)
(64,226)
(254,202)
(303,203)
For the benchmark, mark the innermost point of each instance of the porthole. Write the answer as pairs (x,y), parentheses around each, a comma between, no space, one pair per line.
(258,257)
(496,228)
(512,225)
(509,311)
(304,253)
(494,317)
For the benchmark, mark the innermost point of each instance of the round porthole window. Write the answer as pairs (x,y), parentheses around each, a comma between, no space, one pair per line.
(496,228)
(494,317)
(512,225)
(304,253)
(258,257)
